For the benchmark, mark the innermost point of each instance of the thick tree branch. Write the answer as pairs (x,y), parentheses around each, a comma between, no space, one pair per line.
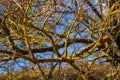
(94,9)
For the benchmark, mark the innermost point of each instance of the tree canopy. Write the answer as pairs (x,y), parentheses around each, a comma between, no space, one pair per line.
(60,31)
